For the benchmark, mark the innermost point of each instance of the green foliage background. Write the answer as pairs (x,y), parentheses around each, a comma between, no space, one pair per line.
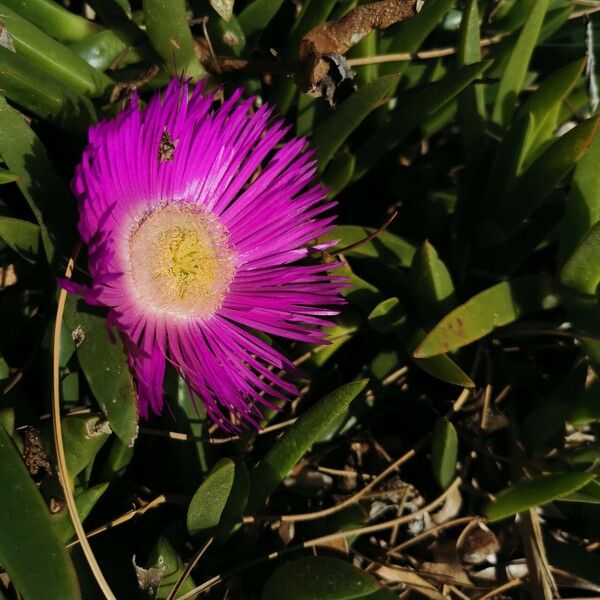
(462,374)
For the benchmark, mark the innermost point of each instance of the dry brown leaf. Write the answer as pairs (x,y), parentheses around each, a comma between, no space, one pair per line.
(337,544)
(447,573)
(8,276)
(451,507)
(322,49)
(476,543)
(411,580)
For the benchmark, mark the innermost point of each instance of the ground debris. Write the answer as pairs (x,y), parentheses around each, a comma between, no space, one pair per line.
(322,64)
(35,458)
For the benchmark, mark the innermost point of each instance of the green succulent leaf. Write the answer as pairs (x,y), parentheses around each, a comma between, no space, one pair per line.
(444,452)
(535,492)
(387,316)
(219,503)
(22,236)
(168,29)
(349,115)
(105,367)
(45,192)
(495,307)
(53,19)
(515,71)
(27,537)
(413,109)
(322,578)
(291,446)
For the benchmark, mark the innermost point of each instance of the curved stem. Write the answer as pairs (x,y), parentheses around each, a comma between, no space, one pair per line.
(63,473)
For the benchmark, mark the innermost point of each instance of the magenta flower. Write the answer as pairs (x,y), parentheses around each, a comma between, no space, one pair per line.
(195,220)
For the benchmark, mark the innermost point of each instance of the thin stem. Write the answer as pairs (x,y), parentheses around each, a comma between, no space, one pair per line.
(190,567)
(424,55)
(207,585)
(184,437)
(422,536)
(124,518)
(63,473)
(351,500)
(369,238)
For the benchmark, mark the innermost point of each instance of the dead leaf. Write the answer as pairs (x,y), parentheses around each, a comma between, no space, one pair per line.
(338,544)
(322,64)
(411,580)
(476,544)
(451,507)
(149,579)
(447,573)
(34,456)
(8,276)
(286,532)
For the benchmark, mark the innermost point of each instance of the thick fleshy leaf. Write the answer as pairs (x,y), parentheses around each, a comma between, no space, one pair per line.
(581,272)
(583,203)
(53,57)
(46,194)
(535,492)
(257,14)
(292,445)
(431,286)
(54,19)
(442,366)
(228,39)
(7,177)
(346,117)
(407,36)
(386,246)
(413,109)
(85,502)
(551,94)
(444,452)
(322,578)
(471,101)
(495,307)
(30,549)
(207,505)
(83,436)
(168,29)
(515,71)
(339,173)
(164,558)
(538,181)
(219,503)
(36,90)
(387,316)
(509,158)
(104,365)
(21,236)
(360,292)
(102,49)
(581,213)
(589,493)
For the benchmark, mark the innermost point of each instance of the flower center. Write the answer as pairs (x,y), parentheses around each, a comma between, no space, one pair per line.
(180,261)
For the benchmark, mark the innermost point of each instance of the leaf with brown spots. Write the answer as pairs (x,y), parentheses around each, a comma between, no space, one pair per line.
(495,307)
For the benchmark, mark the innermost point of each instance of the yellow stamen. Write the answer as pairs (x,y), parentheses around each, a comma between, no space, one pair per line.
(180,261)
